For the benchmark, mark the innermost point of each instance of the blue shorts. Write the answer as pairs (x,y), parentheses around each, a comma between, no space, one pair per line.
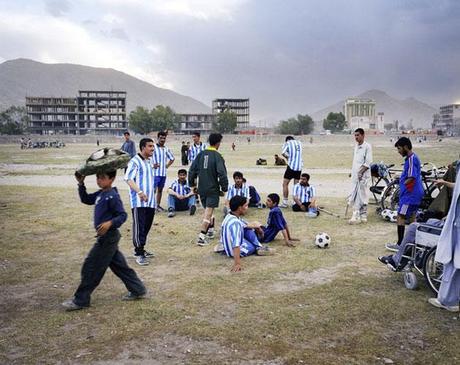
(159,181)
(407,210)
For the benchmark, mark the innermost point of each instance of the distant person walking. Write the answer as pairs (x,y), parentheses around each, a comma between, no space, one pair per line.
(292,151)
(162,158)
(209,168)
(128,145)
(360,177)
(139,176)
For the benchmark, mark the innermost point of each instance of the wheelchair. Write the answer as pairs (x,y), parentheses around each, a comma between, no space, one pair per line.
(420,258)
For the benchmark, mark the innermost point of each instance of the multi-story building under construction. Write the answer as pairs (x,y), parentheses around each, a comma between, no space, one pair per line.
(91,112)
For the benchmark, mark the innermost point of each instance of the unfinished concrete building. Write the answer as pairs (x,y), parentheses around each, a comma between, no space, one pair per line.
(91,112)
(238,106)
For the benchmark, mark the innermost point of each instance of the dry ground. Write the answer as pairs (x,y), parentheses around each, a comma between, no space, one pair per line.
(303,305)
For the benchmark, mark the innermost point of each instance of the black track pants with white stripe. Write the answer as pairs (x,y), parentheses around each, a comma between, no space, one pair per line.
(142,221)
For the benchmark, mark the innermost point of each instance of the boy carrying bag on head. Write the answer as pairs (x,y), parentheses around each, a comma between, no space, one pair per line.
(109,215)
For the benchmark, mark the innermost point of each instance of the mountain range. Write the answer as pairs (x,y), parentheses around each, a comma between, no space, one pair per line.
(406,111)
(23,77)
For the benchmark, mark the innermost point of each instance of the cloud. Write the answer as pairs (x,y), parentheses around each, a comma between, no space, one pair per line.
(28,36)
(57,8)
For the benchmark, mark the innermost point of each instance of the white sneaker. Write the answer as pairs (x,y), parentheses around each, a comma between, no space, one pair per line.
(435,302)
(355,218)
(219,248)
(283,205)
(202,240)
(363,218)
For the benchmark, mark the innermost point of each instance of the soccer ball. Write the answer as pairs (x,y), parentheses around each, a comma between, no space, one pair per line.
(386,214)
(392,216)
(322,240)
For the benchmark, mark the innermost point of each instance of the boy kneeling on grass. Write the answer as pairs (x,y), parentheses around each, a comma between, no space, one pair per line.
(275,223)
(238,237)
(109,215)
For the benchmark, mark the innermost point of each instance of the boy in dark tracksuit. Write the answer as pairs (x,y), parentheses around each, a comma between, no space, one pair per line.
(109,215)
(209,168)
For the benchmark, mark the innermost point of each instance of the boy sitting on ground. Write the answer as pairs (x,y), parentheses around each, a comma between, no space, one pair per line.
(275,223)
(304,196)
(237,236)
(109,215)
(180,195)
(279,161)
(254,197)
(239,188)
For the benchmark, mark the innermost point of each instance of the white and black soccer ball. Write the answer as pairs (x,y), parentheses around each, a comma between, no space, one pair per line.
(386,214)
(392,216)
(322,240)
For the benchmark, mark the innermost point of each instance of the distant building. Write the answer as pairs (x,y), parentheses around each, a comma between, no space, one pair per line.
(91,112)
(189,123)
(360,113)
(238,106)
(449,120)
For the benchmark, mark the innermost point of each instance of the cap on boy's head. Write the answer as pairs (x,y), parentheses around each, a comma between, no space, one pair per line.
(404,141)
(275,198)
(236,202)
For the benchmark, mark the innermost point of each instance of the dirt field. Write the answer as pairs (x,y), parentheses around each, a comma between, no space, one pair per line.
(301,306)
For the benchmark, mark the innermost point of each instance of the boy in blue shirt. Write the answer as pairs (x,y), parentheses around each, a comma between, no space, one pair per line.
(410,188)
(109,215)
(276,223)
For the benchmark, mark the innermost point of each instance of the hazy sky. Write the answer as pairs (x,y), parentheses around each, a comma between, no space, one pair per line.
(289,57)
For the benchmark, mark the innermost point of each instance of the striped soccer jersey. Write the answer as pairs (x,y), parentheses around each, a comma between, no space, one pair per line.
(233,190)
(293,149)
(161,156)
(141,172)
(231,233)
(194,150)
(181,189)
(304,193)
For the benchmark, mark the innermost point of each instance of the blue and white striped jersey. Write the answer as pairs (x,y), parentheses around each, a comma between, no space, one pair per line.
(161,155)
(303,193)
(141,172)
(233,190)
(194,150)
(231,233)
(293,149)
(181,189)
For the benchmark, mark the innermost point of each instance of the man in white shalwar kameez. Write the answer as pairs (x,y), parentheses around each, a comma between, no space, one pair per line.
(360,177)
(448,253)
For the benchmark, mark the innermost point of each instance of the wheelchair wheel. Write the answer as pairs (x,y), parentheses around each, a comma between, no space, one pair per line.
(432,271)
(410,280)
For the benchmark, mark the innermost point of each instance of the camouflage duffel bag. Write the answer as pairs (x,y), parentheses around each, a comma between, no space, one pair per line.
(104,160)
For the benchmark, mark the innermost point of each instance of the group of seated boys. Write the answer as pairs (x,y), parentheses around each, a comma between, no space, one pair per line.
(239,238)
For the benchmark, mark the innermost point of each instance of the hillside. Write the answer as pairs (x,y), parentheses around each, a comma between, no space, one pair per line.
(22,77)
(406,110)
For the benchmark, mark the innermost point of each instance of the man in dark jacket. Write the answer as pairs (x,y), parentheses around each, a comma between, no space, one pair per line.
(209,168)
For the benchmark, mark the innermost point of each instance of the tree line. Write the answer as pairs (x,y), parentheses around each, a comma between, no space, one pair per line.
(143,121)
